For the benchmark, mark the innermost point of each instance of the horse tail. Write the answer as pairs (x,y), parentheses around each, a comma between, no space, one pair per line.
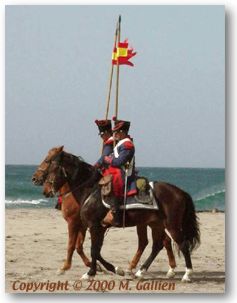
(190,224)
(179,213)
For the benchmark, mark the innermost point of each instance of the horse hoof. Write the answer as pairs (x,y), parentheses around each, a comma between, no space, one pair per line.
(186,279)
(140,273)
(119,271)
(129,273)
(60,272)
(98,268)
(171,273)
(187,276)
(87,277)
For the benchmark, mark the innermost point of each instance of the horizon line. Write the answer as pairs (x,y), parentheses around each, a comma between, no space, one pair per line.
(142,166)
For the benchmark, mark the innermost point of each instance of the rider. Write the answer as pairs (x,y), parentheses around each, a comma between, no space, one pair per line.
(105,132)
(121,164)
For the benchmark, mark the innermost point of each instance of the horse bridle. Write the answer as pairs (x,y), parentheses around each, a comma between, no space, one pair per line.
(52,181)
(68,179)
(45,170)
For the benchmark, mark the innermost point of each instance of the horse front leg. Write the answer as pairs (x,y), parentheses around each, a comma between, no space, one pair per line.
(79,246)
(142,243)
(96,243)
(97,238)
(72,238)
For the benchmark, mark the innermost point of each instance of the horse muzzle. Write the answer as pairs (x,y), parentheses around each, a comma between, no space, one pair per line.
(48,194)
(37,181)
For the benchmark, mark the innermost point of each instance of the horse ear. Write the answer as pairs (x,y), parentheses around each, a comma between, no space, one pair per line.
(60,148)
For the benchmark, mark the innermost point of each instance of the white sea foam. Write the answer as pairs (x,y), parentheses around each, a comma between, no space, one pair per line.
(20,201)
(205,196)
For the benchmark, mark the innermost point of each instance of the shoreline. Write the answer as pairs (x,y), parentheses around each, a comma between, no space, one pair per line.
(36,241)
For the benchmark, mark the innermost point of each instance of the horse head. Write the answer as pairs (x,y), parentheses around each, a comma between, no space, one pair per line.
(41,172)
(64,168)
(56,178)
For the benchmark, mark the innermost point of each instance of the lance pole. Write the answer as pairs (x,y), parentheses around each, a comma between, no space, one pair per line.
(117,78)
(111,76)
(110,81)
(117,75)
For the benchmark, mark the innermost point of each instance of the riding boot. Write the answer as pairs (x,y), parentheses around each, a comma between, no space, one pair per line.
(115,212)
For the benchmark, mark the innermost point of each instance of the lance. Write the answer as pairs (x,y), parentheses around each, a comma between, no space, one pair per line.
(110,81)
(111,76)
(117,76)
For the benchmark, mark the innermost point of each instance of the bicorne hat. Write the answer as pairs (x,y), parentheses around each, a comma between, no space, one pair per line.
(120,125)
(104,125)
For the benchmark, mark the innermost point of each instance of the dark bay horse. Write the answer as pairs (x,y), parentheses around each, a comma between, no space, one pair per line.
(71,213)
(176,216)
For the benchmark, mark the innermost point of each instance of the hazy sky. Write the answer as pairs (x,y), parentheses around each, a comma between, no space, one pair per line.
(57,68)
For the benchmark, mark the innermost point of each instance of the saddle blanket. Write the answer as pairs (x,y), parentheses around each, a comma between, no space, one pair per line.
(134,202)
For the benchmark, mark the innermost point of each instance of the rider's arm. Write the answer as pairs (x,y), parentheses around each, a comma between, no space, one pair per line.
(107,150)
(126,154)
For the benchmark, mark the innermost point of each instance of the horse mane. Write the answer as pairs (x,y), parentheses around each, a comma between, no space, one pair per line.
(84,172)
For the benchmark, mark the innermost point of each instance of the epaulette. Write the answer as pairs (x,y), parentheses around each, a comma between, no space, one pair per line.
(109,141)
(128,145)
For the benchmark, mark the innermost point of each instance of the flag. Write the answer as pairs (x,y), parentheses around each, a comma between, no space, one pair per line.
(122,54)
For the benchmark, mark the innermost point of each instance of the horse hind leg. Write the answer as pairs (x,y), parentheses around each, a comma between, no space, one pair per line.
(189,268)
(157,237)
(178,237)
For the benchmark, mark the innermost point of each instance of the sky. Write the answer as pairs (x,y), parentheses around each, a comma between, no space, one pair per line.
(57,67)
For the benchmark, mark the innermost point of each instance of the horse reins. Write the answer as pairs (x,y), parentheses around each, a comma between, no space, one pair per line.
(66,176)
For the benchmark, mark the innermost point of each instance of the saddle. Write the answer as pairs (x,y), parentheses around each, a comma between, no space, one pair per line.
(106,185)
(144,191)
(143,200)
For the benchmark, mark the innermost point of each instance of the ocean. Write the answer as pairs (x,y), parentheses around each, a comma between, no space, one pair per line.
(205,185)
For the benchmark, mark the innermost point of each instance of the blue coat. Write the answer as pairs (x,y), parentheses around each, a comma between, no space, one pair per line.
(107,150)
(124,153)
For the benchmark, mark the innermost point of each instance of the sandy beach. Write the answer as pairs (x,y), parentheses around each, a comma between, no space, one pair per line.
(36,242)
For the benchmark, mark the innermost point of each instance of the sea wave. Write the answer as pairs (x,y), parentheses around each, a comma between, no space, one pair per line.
(31,202)
(211,195)
(211,201)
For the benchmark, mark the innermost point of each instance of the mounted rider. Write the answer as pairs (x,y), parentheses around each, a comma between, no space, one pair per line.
(121,165)
(105,132)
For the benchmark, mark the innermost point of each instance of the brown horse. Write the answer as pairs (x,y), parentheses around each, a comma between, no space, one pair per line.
(71,210)
(176,216)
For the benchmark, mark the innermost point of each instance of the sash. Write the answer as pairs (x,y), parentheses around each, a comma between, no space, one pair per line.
(116,154)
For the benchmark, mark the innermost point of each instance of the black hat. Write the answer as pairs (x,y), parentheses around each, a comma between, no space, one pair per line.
(104,126)
(120,125)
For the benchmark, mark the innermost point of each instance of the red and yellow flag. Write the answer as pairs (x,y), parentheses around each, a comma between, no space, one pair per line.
(122,54)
